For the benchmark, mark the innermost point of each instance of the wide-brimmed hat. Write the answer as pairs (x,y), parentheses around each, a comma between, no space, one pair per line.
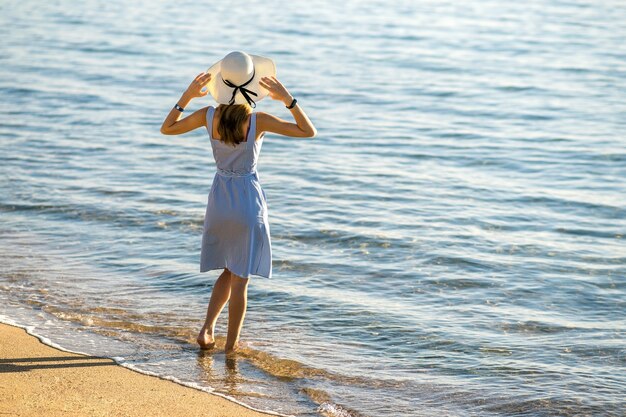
(235,78)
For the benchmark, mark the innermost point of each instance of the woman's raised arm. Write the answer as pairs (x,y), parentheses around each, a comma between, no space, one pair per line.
(303,128)
(173,126)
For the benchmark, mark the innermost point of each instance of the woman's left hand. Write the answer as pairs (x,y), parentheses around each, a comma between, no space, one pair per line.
(196,86)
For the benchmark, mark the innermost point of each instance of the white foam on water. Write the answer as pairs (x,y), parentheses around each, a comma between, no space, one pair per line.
(120,361)
(333,410)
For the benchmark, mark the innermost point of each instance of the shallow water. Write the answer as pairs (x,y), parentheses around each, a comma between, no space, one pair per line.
(451,243)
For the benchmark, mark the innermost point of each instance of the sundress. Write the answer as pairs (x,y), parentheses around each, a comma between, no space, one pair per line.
(236,232)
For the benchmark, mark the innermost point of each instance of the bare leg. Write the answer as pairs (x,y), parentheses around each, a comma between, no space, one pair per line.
(236,310)
(219,298)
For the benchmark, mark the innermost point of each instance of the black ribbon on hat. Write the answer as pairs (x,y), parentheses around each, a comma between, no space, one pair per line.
(244,91)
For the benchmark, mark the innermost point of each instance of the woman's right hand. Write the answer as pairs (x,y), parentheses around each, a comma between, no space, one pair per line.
(277,91)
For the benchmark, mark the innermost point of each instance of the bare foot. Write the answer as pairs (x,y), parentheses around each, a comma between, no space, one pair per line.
(232,349)
(205,338)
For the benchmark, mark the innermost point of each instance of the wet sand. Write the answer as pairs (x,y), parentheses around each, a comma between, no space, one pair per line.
(36,379)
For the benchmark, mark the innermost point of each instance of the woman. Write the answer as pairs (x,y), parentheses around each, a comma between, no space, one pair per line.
(236,234)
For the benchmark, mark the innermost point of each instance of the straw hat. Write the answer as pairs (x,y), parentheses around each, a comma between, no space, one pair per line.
(235,78)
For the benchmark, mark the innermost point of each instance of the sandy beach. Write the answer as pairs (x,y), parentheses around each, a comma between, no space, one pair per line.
(36,379)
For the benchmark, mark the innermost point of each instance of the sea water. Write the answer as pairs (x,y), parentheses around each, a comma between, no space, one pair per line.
(451,243)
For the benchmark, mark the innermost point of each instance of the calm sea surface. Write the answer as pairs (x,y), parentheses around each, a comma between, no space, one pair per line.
(451,243)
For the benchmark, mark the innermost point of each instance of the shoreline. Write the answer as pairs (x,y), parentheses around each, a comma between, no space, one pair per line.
(36,377)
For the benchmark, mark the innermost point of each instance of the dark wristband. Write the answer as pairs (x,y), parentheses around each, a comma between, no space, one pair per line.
(178,107)
(293,103)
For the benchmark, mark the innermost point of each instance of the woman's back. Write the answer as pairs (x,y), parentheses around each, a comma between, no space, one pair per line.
(240,159)
(217,114)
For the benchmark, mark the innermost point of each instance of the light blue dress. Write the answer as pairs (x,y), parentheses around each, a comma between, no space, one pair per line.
(236,233)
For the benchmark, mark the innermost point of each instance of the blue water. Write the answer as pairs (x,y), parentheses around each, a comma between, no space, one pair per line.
(451,243)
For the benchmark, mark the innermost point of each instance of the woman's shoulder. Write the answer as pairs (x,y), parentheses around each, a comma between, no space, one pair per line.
(262,117)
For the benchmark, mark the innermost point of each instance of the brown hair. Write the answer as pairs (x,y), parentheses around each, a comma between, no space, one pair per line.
(232,119)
